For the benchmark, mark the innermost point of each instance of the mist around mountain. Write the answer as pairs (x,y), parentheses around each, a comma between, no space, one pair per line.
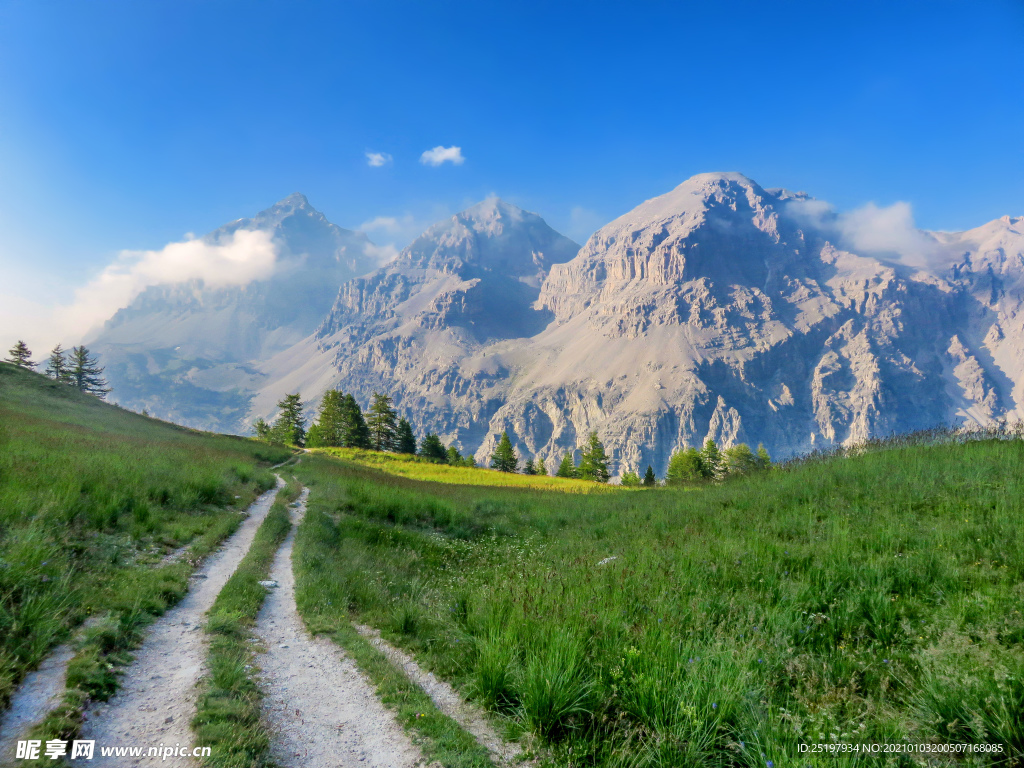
(719,310)
(188,352)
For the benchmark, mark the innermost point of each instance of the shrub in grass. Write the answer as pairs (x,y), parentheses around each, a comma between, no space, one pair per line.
(554,688)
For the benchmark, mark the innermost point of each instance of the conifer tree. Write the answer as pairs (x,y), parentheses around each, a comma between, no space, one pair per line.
(433,449)
(261,428)
(594,461)
(330,428)
(504,458)
(684,466)
(20,356)
(567,467)
(405,441)
(57,367)
(539,467)
(454,457)
(85,374)
(354,432)
(764,461)
(649,479)
(712,463)
(528,468)
(382,423)
(290,427)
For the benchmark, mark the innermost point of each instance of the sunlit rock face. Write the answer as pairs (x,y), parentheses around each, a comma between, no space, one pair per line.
(718,310)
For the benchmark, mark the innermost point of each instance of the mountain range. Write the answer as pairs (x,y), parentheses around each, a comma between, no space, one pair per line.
(719,310)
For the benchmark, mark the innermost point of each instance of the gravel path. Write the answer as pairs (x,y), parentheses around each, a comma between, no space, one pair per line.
(156,699)
(322,711)
(40,692)
(470,717)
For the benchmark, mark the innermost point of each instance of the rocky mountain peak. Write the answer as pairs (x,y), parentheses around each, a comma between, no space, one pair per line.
(491,236)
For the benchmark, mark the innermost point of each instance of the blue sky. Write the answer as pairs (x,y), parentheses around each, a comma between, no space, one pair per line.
(125,125)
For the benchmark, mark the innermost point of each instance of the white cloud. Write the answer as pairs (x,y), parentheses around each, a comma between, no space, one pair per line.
(237,259)
(382,224)
(381,254)
(872,230)
(377,159)
(440,155)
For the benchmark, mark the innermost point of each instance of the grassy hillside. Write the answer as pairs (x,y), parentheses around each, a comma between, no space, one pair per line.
(875,599)
(92,499)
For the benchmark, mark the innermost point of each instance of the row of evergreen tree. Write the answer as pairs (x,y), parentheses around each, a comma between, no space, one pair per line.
(76,367)
(341,423)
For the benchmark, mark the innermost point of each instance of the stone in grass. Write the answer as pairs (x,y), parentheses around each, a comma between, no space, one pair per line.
(269,583)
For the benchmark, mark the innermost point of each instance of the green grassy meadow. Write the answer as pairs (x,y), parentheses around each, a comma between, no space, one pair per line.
(874,599)
(92,499)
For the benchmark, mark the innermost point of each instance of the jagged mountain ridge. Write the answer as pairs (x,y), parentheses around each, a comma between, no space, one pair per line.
(188,352)
(706,312)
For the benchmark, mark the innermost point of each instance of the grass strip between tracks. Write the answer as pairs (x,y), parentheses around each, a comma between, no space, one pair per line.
(228,710)
(438,736)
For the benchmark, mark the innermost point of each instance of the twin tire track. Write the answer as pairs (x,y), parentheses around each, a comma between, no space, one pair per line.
(320,708)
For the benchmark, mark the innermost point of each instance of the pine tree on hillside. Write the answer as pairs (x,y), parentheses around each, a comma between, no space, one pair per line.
(85,374)
(57,367)
(567,467)
(405,440)
(684,466)
(354,432)
(712,462)
(261,428)
(433,449)
(528,468)
(504,458)
(290,427)
(329,429)
(382,423)
(594,461)
(539,467)
(764,461)
(649,479)
(20,356)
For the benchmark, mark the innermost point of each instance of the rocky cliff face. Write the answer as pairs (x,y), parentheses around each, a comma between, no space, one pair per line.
(188,352)
(712,311)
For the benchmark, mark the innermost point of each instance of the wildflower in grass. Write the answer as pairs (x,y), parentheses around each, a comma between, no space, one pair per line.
(714,705)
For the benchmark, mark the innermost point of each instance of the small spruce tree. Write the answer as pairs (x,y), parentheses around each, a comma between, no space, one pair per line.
(764,461)
(86,375)
(20,356)
(405,440)
(539,466)
(594,461)
(290,426)
(504,458)
(528,468)
(329,429)
(261,428)
(57,367)
(355,433)
(382,423)
(567,467)
(433,449)
(712,462)
(649,479)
